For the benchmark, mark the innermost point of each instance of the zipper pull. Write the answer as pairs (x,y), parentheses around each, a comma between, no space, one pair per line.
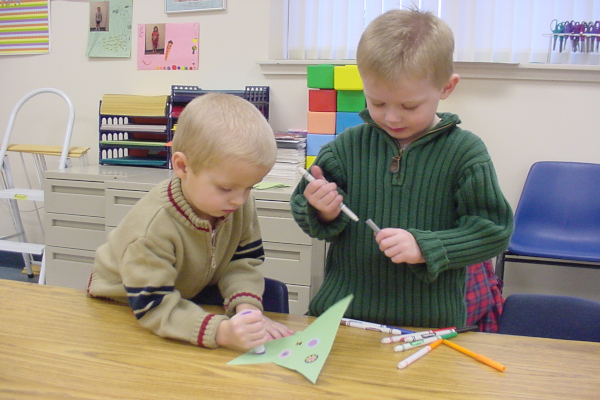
(395,165)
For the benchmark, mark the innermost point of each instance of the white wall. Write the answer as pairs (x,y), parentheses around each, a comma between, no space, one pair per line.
(521,121)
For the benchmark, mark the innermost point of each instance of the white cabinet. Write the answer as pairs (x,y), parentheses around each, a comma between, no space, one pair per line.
(84,203)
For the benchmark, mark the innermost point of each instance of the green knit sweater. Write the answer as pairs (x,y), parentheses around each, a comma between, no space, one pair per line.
(445,193)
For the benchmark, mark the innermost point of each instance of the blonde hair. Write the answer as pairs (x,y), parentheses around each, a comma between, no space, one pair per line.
(217,127)
(407,43)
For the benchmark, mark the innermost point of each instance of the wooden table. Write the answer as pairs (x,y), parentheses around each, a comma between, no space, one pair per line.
(56,343)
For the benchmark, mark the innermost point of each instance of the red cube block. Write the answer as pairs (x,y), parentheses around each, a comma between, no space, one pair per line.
(322,100)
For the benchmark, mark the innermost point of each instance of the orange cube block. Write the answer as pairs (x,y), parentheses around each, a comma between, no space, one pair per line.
(321,122)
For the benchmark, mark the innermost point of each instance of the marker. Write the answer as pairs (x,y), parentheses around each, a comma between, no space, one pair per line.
(260,349)
(423,342)
(370,326)
(476,356)
(372,225)
(418,354)
(426,334)
(343,207)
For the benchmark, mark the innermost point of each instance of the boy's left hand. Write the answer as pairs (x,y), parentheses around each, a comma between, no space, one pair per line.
(275,330)
(399,245)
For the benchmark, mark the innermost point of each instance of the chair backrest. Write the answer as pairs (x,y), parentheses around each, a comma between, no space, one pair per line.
(559,208)
(275,296)
(551,316)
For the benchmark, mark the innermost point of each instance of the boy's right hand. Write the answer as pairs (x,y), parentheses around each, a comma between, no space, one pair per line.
(323,196)
(243,331)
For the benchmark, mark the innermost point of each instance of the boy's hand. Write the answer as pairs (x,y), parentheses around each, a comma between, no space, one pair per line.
(323,196)
(399,245)
(243,331)
(276,330)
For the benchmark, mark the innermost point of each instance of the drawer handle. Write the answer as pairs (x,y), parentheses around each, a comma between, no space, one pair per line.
(269,212)
(126,201)
(73,258)
(293,296)
(282,254)
(78,190)
(77,225)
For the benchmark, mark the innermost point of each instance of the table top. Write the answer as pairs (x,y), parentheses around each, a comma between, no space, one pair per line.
(57,343)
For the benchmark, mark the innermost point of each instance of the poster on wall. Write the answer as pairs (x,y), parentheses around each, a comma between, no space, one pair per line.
(24,27)
(109,28)
(172,46)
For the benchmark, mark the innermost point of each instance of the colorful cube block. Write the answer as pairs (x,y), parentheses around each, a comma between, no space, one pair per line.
(321,122)
(320,76)
(309,161)
(314,142)
(350,100)
(346,120)
(346,77)
(323,100)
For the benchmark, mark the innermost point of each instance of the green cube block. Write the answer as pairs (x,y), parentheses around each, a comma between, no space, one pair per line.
(319,76)
(350,100)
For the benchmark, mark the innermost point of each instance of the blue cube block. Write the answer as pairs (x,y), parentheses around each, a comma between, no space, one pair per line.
(345,120)
(314,142)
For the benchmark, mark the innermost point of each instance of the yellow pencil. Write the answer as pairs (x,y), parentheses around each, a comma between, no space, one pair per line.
(476,356)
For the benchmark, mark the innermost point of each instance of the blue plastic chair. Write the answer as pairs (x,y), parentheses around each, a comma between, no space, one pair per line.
(557,221)
(275,297)
(551,316)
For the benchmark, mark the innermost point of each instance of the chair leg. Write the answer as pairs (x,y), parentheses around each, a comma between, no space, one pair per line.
(42,277)
(500,266)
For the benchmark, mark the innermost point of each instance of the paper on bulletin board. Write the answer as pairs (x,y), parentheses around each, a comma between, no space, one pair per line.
(304,351)
(171,46)
(110,28)
(24,27)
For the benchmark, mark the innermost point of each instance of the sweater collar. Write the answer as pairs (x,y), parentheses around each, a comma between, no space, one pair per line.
(447,121)
(181,210)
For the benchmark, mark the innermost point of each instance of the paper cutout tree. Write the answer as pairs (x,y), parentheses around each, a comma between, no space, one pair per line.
(305,351)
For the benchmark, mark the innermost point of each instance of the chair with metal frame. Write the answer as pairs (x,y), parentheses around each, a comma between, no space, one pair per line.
(557,220)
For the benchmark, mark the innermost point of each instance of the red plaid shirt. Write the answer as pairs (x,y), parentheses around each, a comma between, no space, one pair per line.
(484,297)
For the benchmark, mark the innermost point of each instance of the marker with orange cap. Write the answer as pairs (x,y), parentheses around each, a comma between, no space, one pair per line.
(418,354)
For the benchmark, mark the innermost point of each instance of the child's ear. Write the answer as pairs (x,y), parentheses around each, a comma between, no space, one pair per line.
(180,164)
(449,86)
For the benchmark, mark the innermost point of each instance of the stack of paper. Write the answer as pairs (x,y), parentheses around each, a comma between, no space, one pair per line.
(291,154)
(144,106)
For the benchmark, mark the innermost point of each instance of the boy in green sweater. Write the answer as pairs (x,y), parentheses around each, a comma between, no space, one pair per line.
(196,229)
(430,186)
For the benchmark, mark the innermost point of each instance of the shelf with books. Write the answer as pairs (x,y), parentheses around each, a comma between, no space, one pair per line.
(126,138)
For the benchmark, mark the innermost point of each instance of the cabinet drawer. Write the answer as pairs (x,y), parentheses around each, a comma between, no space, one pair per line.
(68,267)
(277,224)
(74,197)
(118,204)
(289,263)
(299,297)
(74,231)
(282,230)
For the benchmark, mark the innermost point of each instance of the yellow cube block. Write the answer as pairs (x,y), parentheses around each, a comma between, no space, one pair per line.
(310,160)
(346,77)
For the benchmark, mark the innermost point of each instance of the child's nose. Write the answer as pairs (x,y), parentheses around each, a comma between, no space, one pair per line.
(393,116)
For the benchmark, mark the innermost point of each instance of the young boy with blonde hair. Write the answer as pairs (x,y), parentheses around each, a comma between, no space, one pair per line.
(430,186)
(196,229)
